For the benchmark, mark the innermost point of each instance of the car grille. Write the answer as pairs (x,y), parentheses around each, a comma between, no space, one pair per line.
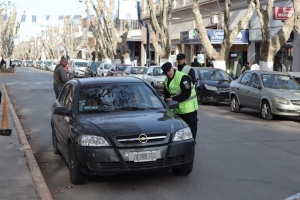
(176,160)
(295,102)
(134,139)
(145,165)
(223,89)
(110,165)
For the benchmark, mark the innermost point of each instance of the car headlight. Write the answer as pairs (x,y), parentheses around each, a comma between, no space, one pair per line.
(281,100)
(92,141)
(183,134)
(160,82)
(208,87)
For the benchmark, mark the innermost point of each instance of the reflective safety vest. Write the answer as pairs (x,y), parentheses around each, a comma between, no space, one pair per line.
(186,106)
(186,69)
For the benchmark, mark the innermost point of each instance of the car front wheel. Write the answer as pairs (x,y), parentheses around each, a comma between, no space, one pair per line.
(234,107)
(184,171)
(265,111)
(76,176)
(200,100)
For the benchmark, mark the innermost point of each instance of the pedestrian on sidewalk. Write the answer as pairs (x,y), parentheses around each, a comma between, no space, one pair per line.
(60,76)
(255,66)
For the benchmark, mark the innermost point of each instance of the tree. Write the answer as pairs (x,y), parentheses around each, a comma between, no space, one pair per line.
(271,45)
(229,35)
(160,32)
(7,32)
(50,42)
(68,37)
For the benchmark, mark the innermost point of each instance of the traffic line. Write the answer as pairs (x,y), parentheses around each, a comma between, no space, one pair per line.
(41,186)
(294,197)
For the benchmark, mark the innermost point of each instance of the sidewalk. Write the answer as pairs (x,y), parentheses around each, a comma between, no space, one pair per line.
(20,176)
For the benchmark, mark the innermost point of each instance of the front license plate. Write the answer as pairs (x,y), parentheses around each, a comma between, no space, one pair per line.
(144,156)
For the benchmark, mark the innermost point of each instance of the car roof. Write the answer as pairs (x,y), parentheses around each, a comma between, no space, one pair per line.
(269,72)
(108,79)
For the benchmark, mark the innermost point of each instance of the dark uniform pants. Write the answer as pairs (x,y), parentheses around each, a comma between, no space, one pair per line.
(192,120)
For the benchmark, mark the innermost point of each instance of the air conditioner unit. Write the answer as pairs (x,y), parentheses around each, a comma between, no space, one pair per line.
(214,19)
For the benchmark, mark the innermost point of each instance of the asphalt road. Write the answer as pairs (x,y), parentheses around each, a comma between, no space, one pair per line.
(238,155)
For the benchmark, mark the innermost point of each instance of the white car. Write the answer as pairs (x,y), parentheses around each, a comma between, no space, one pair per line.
(52,66)
(78,67)
(102,69)
(155,77)
(136,71)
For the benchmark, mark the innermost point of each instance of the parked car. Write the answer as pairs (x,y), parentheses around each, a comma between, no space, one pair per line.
(16,62)
(116,125)
(103,69)
(136,71)
(270,92)
(48,65)
(117,69)
(29,63)
(53,65)
(155,77)
(212,85)
(77,67)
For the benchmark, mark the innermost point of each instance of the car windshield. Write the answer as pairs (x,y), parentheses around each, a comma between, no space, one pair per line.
(121,68)
(138,70)
(213,74)
(81,64)
(157,71)
(279,81)
(106,66)
(117,97)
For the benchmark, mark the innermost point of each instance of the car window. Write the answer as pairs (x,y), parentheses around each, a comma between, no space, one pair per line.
(149,70)
(137,70)
(81,64)
(254,80)
(246,78)
(121,68)
(106,66)
(117,97)
(69,98)
(63,94)
(279,81)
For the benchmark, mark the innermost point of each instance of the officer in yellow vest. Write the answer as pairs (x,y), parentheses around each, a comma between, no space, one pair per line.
(178,87)
(183,67)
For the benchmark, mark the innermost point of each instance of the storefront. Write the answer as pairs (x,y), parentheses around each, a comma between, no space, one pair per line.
(237,54)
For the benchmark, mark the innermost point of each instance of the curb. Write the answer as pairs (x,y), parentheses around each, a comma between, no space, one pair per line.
(42,189)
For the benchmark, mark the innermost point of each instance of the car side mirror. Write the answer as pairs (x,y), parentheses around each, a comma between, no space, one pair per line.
(62,111)
(257,86)
(173,104)
(149,74)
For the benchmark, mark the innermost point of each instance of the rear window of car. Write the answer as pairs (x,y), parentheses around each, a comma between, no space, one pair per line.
(121,68)
(117,97)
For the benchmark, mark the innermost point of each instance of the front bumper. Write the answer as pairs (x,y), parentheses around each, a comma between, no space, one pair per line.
(79,73)
(215,96)
(285,110)
(111,160)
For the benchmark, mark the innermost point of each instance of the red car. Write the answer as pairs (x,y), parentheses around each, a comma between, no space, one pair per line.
(117,69)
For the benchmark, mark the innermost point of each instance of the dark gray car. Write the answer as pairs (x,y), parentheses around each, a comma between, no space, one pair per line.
(118,125)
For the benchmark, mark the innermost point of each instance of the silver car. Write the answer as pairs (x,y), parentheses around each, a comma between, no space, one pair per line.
(136,71)
(155,77)
(272,93)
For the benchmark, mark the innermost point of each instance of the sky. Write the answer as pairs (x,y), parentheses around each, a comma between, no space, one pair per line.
(42,8)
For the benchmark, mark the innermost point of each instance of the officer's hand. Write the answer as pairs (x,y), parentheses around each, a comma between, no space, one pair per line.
(169,99)
(71,76)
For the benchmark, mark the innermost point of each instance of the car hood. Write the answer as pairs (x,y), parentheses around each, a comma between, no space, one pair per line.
(126,123)
(137,75)
(221,84)
(159,78)
(287,94)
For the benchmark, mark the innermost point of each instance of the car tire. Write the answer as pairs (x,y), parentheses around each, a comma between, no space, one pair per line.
(184,171)
(265,111)
(200,100)
(54,142)
(234,105)
(76,176)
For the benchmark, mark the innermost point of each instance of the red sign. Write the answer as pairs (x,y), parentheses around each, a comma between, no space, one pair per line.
(282,13)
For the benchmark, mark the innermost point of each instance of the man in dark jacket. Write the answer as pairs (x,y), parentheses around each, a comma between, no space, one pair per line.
(195,63)
(183,67)
(60,76)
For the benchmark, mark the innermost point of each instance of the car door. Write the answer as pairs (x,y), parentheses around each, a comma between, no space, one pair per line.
(254,92)
(148,75)
(242,89)
(63,122)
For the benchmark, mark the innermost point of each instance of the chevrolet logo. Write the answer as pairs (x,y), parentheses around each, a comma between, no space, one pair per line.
(143,138)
